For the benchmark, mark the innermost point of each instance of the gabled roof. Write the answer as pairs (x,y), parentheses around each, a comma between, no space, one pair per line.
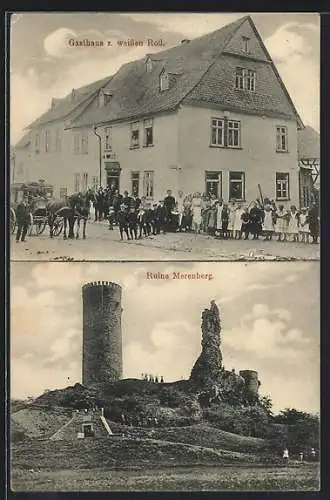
(204,75)
(308,144)
(64,107)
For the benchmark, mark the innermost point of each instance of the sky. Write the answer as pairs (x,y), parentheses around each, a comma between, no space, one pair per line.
(43,65)
(269,313)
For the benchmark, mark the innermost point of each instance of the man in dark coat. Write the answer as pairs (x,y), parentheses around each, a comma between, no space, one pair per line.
(169,205)
(313,220)
(126,200)
(256,221)
(23,220)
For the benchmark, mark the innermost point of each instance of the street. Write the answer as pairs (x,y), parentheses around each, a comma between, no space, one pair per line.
(102,244)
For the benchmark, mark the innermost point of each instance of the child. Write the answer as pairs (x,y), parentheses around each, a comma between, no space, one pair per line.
(268,225)
(197,213)
(245,223)
(293,223)
(281,223)
(238,222)
(304,226)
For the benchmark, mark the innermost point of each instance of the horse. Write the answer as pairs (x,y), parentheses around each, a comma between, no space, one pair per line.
(75,208)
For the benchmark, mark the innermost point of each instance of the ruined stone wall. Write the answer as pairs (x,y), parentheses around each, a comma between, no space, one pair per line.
(102,336)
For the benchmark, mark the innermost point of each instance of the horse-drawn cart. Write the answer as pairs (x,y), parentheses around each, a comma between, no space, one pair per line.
(37,194)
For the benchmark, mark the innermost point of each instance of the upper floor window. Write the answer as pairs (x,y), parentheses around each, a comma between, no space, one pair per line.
(148,132)
(84,143)
(245,79)
(76,143)
(225,133)
(76,183)
(47,140)
(135,183)
(245,43)
(95,182)
(164,81)
(37,143)
(282,139)
(84,181)
(107,137)
(58,140)
(135,135)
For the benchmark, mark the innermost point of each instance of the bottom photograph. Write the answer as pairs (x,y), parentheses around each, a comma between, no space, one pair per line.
(165,376)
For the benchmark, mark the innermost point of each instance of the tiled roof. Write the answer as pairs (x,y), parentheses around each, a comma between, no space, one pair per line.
(66,106)
(217,87)
(136,92)
(308,144)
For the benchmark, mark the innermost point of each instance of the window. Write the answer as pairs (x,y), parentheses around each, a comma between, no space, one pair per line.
(107,98)
(37,144)
(250,80)
(237,186)
(148,65)
(76,143)
(135,135)
(84,181)
(148,184)
(76,183)
(233,134)
(135,183)
(47,141)
(84,143)
(107,138)
(95,182)
(63,193)
(213,183)
(239,81)
(225,133)
(88,430)
(282,186)
(58,140)
(245,43)
(282,139)
(217,132)
(245,79)
(164,81)
(148,132)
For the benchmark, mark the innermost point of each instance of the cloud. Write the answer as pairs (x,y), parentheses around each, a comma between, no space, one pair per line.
(56,43)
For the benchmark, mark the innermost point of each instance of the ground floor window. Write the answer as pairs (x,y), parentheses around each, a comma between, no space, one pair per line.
(135,183)
(148,184)
(282,186)
(95,182)
(76,183)
(213,184)
(63,193)
(237,186)
(84,181)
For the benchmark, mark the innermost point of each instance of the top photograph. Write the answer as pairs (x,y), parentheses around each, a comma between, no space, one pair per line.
(164,136)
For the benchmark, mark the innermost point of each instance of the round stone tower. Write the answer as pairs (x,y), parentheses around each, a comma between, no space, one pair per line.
(251,383)
(102,337)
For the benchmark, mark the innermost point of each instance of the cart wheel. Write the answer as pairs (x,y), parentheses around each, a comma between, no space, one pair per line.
(30,229)
(58,226)
(12,221)
(40,226)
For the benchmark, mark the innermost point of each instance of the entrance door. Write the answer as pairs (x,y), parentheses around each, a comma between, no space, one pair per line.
(213,184)
(113,174)
(88,430)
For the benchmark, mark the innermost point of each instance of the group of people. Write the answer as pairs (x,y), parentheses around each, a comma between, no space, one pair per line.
(153,379)
(206,214)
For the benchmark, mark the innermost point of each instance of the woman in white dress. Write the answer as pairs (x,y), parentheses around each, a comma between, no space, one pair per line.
(238,222)
(304,226)
(231,220)
(268,224)
(293,225)
(219,218)
(196,206)
(281,226)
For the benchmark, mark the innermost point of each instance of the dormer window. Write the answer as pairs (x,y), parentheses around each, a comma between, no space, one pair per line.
(104,97)
(149,65)
(164,81)
(245,43)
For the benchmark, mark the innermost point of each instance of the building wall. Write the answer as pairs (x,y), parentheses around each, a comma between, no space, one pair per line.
(57,167)
(160,158)
(257,157)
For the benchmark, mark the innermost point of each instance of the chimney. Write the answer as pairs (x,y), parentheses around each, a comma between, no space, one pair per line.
(53,104)
(184,41)
(73,95)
